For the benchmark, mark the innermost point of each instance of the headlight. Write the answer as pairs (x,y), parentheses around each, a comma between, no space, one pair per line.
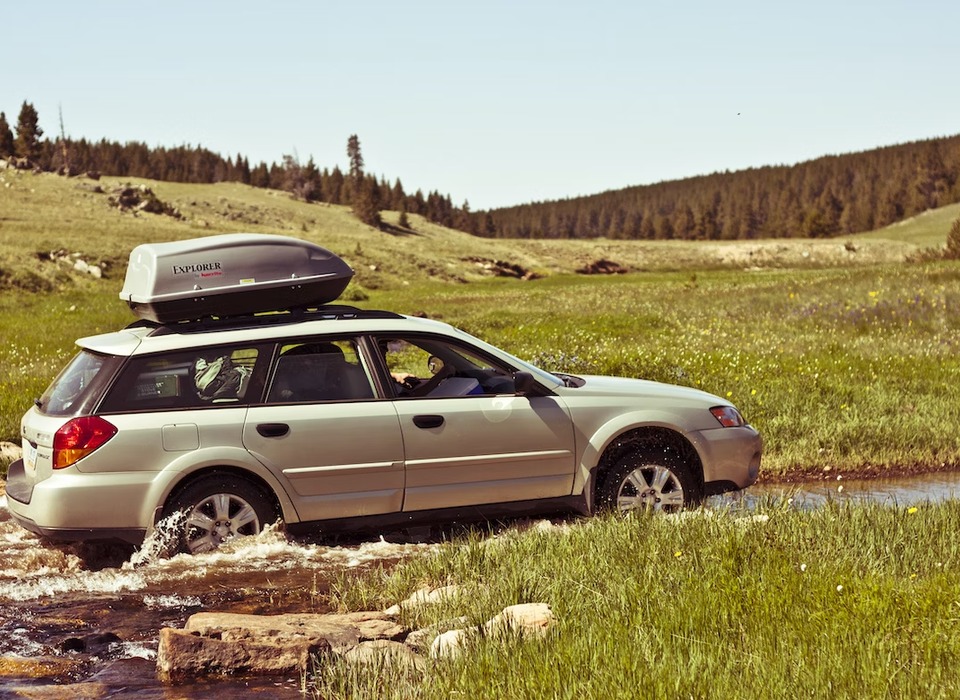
(728,416)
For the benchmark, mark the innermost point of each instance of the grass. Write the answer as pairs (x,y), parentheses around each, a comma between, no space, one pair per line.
(842,353)
(843,363)
(711,604)
(926,230)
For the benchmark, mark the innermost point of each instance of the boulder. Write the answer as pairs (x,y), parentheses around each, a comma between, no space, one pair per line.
(384,651)
(602,267)
(424,596)
(527,620)
(10,452)
(230,643)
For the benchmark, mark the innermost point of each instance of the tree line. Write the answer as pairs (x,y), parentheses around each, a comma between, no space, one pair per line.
(367,194)
(828,196)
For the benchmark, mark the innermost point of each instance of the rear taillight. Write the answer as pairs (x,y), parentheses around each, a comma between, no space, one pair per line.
(78,438)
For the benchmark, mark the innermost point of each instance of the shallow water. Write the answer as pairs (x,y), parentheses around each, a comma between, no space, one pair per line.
(901,491)
(91,615)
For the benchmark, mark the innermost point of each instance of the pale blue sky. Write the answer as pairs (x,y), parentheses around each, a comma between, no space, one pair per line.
(497,103)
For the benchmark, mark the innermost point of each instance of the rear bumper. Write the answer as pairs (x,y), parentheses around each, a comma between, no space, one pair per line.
(133,536)
(70,507)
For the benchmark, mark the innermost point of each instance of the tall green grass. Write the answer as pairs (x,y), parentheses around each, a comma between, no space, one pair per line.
(841,602)
(849,370)
(844,369)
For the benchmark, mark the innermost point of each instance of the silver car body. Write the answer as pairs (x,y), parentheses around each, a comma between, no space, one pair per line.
(380,455)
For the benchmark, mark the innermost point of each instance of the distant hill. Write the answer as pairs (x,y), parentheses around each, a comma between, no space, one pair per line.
(48,222)
(821,198)
(825,197)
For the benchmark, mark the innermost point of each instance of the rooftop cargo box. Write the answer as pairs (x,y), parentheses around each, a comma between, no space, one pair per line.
(230,275)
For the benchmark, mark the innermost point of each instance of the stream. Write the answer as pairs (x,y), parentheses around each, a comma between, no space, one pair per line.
(90,615)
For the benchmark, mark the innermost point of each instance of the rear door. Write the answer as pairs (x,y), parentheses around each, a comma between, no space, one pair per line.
(323,431)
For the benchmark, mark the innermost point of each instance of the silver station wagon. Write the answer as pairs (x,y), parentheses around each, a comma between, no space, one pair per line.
(337,416)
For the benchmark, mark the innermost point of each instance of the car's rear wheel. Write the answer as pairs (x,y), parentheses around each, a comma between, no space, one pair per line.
(649,482)
(218,508)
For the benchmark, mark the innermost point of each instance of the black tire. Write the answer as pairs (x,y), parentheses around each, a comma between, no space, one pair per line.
(649,481)
(217,508)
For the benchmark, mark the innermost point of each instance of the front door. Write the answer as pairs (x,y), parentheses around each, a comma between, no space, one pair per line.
(468,438)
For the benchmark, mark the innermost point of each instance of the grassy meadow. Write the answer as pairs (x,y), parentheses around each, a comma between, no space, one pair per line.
(844,354)
(772,603)
(841,353)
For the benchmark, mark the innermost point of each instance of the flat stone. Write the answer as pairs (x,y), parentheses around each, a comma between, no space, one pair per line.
(231,643)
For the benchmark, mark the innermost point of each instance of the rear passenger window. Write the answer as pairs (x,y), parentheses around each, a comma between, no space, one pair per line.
(184,380)
(328,370)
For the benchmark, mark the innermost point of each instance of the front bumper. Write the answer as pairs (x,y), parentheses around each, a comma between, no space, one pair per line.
(730,457)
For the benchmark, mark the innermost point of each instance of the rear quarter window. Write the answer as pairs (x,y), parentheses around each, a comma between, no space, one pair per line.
(188,379)
(79,384)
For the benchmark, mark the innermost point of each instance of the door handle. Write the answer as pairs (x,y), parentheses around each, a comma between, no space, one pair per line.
(273,429)
(428,421)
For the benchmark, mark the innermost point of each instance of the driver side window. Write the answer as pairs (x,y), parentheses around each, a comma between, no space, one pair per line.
(428,367)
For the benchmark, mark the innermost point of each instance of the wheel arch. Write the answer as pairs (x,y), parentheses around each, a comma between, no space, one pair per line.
(180,479)
(248,476)
(647,438)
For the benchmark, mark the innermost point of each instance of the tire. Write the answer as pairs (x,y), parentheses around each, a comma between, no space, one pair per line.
(218,508)
(649,482)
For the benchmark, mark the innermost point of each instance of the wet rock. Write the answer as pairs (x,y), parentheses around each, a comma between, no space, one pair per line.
(94,644)
(185,654)
(228,643)
(38,667)
(73,691)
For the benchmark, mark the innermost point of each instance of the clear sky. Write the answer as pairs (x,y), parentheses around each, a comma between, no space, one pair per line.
(493,102)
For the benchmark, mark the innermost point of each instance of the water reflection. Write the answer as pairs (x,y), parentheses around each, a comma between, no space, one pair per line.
(901,491)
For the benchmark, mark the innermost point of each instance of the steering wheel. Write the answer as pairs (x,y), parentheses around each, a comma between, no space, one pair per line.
(425,387)
(411,382)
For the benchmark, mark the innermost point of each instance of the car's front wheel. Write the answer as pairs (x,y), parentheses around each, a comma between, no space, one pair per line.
(218,508)
(649,482)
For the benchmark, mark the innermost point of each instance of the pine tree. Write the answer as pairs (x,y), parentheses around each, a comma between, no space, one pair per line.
(356,159)
(6,137)
(366,206)
(364,191)
(28,134)
(953,241)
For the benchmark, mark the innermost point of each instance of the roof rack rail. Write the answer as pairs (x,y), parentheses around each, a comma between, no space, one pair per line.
(281,317)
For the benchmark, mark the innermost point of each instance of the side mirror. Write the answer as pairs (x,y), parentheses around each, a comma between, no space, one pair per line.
(523,383)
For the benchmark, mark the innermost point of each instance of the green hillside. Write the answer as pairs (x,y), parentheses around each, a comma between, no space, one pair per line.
(42,213)
(850,321)
(926,230)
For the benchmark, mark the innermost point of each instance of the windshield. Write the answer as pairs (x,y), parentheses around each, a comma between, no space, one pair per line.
(72,387)
(541,375)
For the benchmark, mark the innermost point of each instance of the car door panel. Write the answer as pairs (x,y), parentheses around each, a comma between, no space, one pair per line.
(488,449)
(338,459)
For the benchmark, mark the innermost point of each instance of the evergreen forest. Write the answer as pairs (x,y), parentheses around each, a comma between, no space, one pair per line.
(828,196)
